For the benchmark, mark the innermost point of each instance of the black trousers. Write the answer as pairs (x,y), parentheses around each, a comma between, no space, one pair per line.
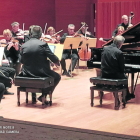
(68,56)
(15,63)
(2,90)
(8,72)
(57,79)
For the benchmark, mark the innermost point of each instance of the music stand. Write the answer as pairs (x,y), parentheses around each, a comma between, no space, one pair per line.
(58,50)
(89,43)
(71,43)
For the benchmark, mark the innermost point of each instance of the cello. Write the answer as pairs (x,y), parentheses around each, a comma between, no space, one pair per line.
(85,51)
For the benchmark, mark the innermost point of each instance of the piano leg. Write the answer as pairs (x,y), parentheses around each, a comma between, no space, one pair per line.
(132,82)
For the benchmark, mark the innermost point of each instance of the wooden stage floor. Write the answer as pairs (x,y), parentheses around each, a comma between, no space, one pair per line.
(71,107)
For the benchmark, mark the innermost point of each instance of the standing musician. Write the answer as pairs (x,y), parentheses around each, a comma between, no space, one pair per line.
(67,52)
(34,54)
(11,50)
(124,24)
(17,33)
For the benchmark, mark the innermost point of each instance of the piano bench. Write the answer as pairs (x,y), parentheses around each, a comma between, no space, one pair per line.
(29,84)
(110,85)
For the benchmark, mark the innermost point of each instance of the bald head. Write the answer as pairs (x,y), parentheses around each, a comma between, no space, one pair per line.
(119,40)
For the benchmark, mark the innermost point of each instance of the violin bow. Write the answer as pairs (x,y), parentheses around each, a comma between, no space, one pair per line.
(57,32)
(45,28)
(80,28)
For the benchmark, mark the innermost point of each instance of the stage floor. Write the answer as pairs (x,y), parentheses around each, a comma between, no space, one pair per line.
(71,107)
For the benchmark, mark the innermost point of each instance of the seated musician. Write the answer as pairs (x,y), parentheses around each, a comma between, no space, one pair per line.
(50,36)
(124,24)
(112,62)
(120,30)
(11,50)
(67,52)
(84,29)
(34,54)
(17,33)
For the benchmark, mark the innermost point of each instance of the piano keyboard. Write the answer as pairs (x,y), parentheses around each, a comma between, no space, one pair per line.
(132,66)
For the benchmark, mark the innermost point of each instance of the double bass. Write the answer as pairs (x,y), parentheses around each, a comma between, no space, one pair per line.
(85,51)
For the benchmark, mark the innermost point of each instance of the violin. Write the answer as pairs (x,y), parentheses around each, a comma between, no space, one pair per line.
(52,39)
(85,52)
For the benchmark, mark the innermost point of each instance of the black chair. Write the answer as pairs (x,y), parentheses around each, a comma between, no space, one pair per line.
(110,85)
(28,84)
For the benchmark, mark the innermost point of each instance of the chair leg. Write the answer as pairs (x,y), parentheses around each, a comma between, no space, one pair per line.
(101,97)
(18,96)
(26,97)
(50,95)
(116,101)
(92,95)
(124,97)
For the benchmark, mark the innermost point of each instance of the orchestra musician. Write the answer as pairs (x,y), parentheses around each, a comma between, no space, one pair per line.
(67,52)
(11,50)
(120,30)
(17,33)
(34,54)
(112,62)
(50,37)
(83,29)
(125,24)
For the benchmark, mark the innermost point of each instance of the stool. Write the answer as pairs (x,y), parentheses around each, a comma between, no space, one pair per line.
(28,84)
(110,85)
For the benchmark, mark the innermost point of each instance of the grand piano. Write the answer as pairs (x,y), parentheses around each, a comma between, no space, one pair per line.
(131,52)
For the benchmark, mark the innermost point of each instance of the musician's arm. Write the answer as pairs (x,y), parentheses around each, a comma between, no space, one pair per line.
(62,39)
(51,55)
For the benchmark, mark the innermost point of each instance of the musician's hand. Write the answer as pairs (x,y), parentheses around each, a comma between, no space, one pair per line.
(15,45)
(130,25)
(10,44)
(11,80)
(101,39)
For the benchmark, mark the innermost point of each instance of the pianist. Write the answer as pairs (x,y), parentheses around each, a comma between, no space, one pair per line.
(112,62)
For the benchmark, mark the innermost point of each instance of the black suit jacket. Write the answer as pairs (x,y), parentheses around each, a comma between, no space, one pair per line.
(34,54)
(112,61)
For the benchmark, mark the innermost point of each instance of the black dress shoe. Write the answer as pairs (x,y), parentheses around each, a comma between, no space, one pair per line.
(128,97)
(64,72)
(132,95)
(8,93)
(69,74)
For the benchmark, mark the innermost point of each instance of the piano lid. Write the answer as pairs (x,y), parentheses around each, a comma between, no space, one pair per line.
(132,38)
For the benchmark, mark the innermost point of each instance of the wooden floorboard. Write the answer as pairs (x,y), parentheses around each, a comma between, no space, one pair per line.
(71,107)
